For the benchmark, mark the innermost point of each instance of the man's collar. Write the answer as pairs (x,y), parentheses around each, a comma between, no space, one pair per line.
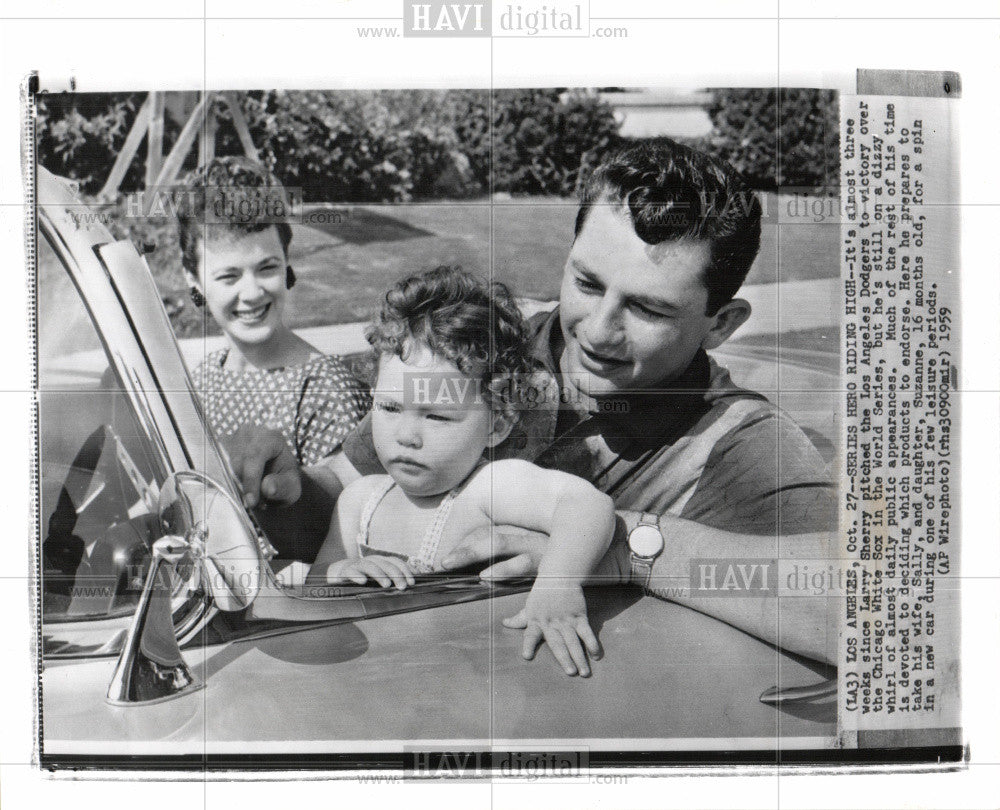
(663,412)
(547,329)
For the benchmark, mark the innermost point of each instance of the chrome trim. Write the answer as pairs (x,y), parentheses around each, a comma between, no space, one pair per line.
(151,668)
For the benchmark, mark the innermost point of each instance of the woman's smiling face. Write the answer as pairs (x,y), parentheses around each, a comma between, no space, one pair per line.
(243,280)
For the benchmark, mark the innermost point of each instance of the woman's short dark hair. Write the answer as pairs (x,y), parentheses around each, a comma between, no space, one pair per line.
(235,195)
(674,192)
(476,326)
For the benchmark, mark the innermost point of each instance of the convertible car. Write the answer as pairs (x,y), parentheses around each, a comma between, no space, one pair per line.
(165,635)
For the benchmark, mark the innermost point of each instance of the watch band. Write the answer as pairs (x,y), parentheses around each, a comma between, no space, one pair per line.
(642,567)
(642,571)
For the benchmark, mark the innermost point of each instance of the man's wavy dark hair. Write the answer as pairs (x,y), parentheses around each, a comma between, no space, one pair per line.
(476,326)
(674,192)
(232,180)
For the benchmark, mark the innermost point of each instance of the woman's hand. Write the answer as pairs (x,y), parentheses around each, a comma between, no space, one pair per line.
(557,613)
(265,466)
(386,571)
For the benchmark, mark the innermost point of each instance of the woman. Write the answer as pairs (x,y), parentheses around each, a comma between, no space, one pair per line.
(234,238)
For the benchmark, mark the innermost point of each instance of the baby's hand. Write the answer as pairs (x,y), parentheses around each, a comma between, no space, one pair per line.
(557,613)
(385,571)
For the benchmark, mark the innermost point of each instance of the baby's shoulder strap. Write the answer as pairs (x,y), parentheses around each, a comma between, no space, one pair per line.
(374,499)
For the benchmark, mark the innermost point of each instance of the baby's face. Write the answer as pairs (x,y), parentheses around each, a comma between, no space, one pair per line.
(429,426)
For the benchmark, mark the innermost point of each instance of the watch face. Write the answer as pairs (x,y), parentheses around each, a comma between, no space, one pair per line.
(646,541)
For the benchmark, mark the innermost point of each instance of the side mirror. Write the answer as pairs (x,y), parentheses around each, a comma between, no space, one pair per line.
(204,531)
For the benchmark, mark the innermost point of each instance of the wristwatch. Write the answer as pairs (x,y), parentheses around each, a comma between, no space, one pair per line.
(645,543)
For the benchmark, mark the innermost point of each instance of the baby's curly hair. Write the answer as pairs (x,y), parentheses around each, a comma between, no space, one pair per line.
(476,326)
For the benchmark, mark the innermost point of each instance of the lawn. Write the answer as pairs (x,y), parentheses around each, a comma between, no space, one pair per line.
(345,263)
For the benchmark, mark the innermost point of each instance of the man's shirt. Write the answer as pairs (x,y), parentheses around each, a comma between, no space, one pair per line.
(697,447)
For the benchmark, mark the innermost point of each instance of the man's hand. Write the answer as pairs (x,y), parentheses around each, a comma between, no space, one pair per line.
(264,465)
(524,548)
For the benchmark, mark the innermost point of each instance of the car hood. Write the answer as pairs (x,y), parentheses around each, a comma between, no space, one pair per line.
(454,674)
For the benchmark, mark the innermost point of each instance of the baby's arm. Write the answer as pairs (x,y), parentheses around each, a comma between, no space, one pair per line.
(338,559)
(580,521)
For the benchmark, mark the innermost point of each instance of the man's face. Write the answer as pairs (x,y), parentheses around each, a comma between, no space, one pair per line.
(633,314)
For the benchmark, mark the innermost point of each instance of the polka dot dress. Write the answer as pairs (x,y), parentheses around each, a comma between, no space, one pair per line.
(314,405)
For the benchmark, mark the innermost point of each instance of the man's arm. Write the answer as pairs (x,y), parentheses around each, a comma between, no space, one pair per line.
(799,624)
(802,623)
(764,495)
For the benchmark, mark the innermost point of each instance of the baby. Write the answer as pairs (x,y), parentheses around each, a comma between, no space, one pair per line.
(453,359)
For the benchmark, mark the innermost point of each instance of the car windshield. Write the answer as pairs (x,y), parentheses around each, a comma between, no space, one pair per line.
(98,477)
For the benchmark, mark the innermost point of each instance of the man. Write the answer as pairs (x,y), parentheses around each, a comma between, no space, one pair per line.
(698,468)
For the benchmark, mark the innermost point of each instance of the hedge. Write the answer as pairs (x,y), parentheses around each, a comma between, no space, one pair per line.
(399,145)
(79,136)
(361,146)
(778,139)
